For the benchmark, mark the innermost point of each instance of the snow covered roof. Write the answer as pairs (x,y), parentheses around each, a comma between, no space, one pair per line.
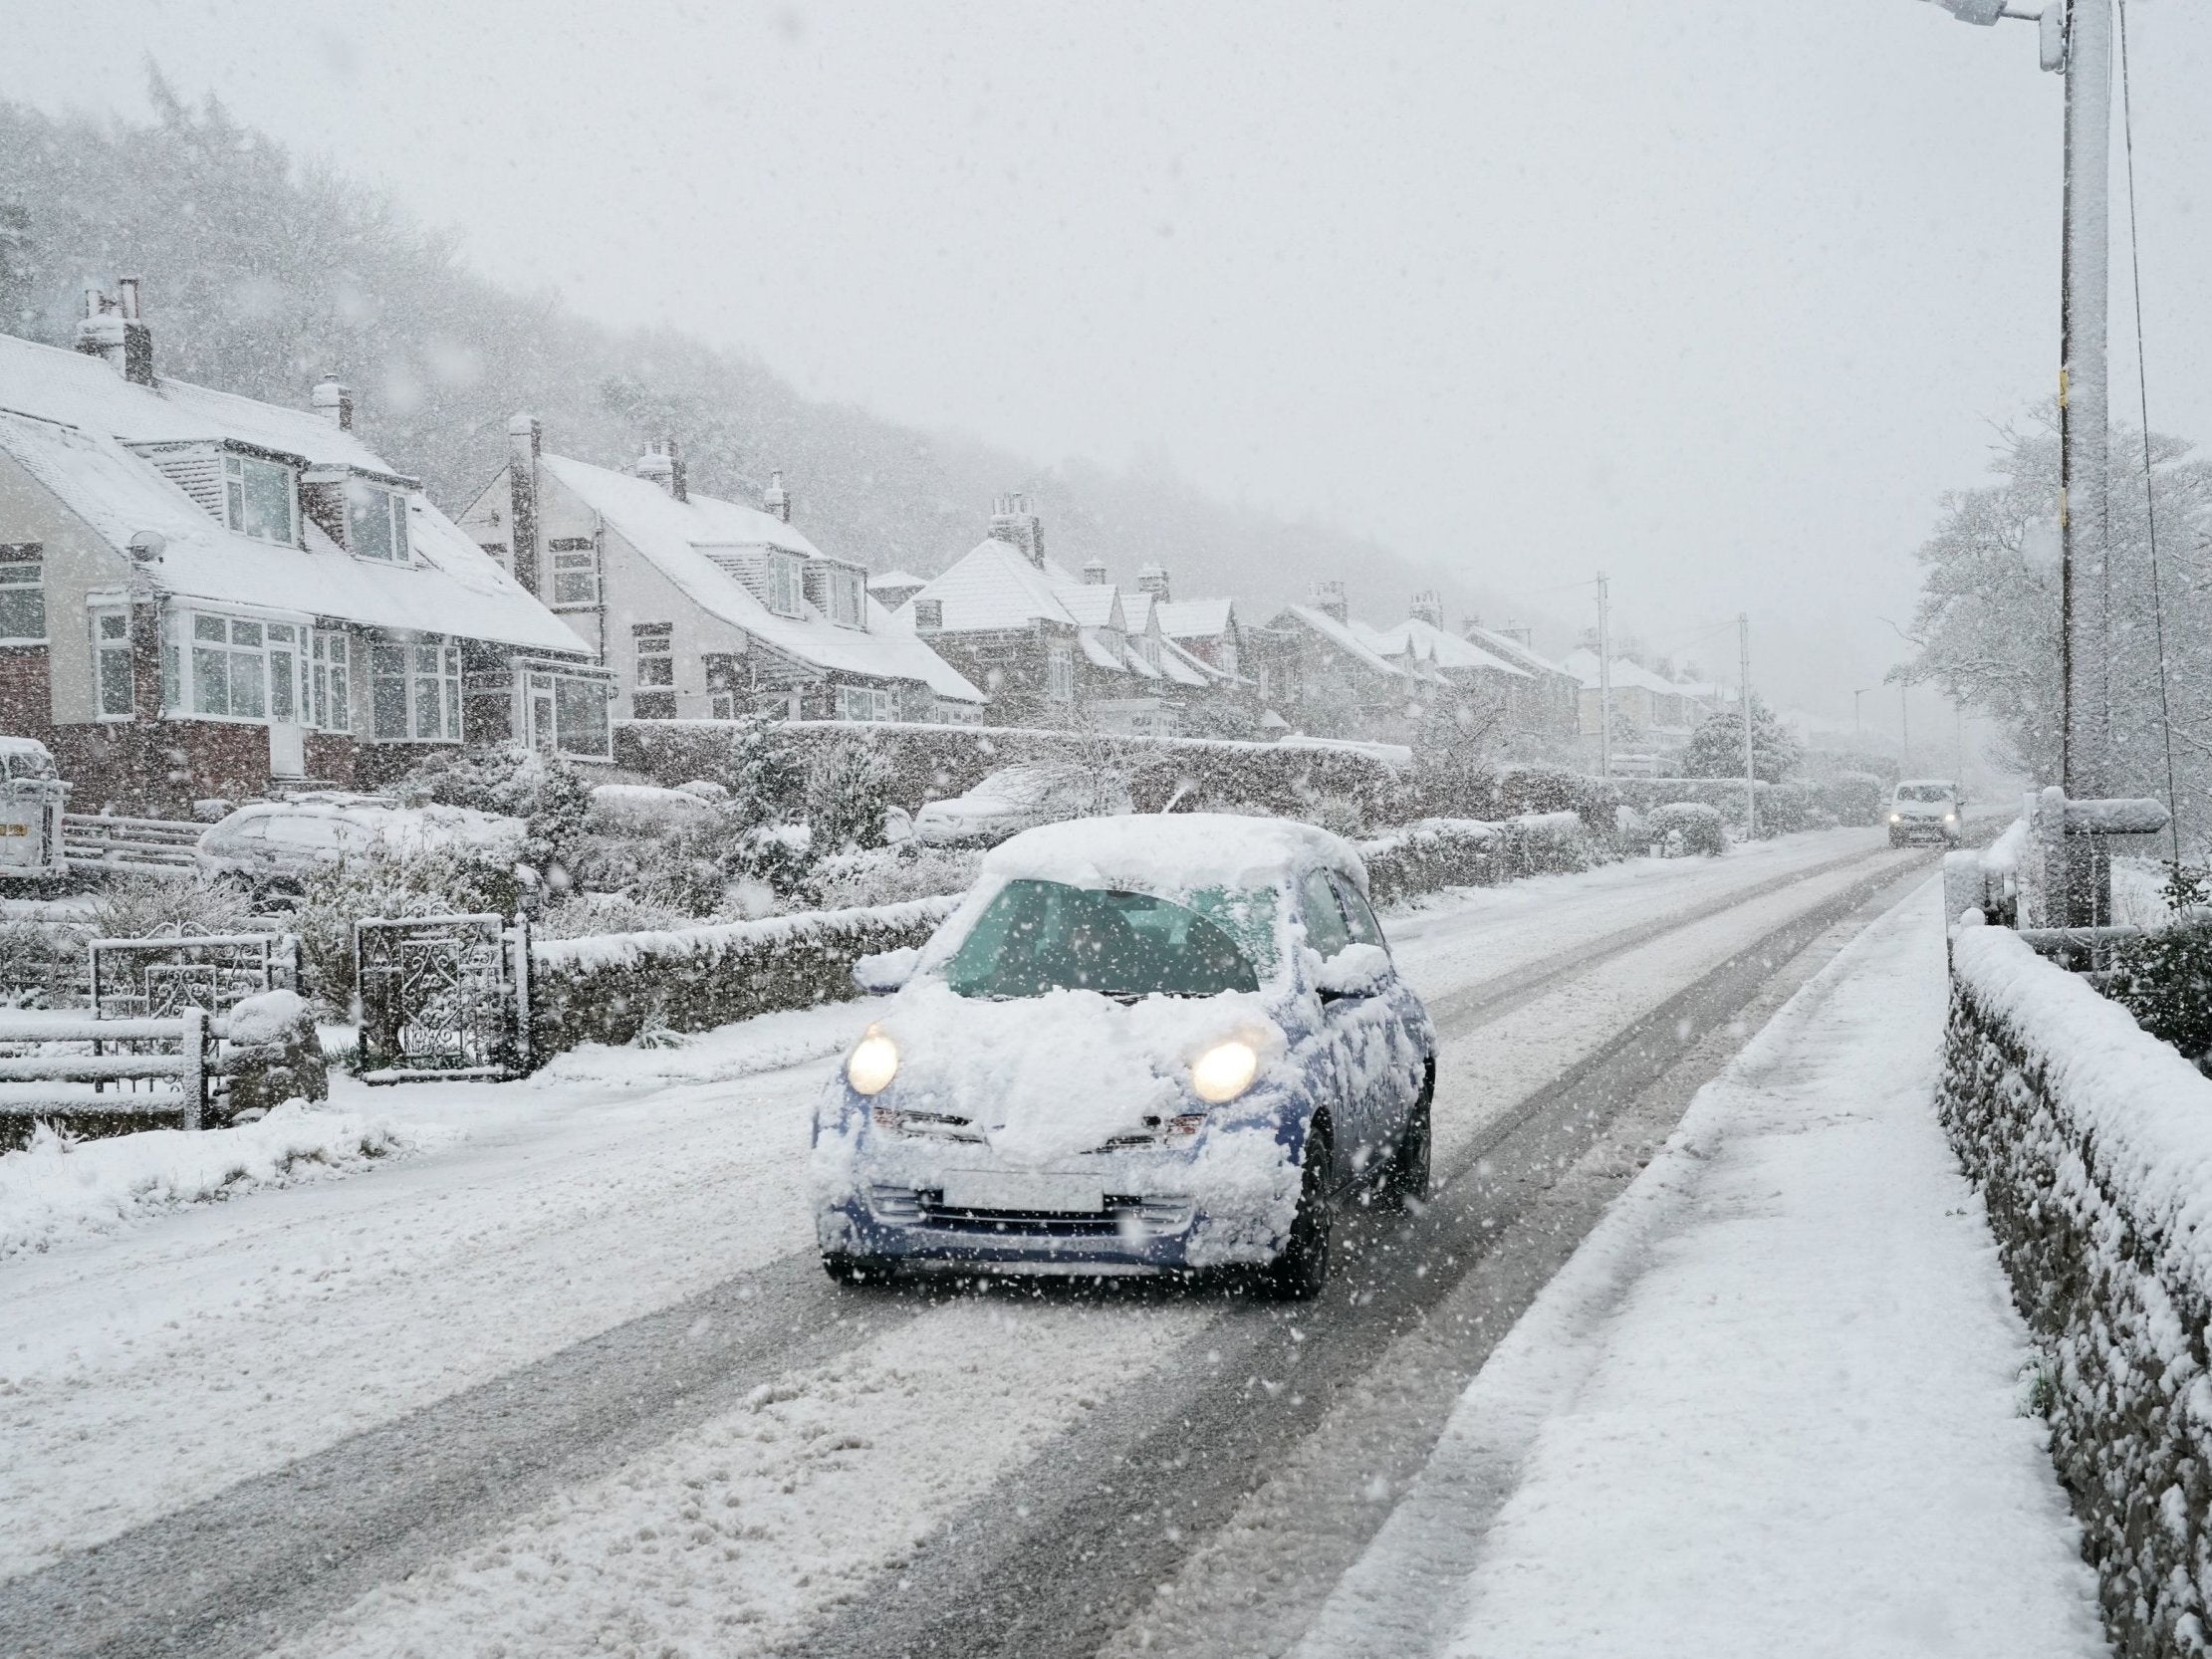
(1094,606)
(1184,669)
(894,579)
(1513,651)
(1098,653)
(1341,637)
(87,392)
(1172,853)
(678,537)
(993,586)
(451,587)
(1582,664)
(1427,642)
(1197,618)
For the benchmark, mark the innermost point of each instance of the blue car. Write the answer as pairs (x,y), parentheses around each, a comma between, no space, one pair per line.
(1141,1044)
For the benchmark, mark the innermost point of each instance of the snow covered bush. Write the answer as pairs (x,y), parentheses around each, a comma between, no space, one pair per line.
(611,988)
(1339,814)
(890,875)
(2164,977)
(41,964)
(1685,828)
(1434,854)
(848,788)
(165,906)
(551,797)
(2092,1143)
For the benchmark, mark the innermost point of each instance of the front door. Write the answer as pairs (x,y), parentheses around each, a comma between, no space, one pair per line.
(287,707)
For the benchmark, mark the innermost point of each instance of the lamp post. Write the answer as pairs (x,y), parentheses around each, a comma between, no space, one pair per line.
(1858,726)
(2077,38)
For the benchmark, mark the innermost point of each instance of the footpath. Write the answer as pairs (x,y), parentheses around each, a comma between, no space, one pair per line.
(1779,1401)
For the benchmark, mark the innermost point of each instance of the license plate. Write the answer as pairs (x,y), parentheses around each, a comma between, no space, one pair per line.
(1023,1191)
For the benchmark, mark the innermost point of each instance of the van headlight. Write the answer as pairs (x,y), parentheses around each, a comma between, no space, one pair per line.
(1896,817)
(1224,1071)
(872,1064)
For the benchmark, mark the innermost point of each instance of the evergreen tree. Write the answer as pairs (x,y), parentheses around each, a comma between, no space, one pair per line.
(1716,748)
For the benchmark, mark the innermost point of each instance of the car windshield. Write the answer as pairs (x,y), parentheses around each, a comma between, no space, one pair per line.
(1039,936)
(1923,791)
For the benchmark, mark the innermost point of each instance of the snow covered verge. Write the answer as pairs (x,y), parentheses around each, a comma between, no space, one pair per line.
(1772,1403)
(609,988)
(2091,1141)
(58,1189)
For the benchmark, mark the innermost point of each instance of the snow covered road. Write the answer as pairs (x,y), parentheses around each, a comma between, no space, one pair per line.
(574,1383)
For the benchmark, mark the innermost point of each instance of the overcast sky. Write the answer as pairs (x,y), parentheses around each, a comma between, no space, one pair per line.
(1717,295)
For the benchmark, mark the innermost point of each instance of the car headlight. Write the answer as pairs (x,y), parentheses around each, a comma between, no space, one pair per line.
(1896,817)
(1224,1071)
(1950,817)
(872,1064)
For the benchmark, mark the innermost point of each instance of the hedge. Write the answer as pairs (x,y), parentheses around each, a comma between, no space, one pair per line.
(2092,1142)
(608,988)
(1469,852)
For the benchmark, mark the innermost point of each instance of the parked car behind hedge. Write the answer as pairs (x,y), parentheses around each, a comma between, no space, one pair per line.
(1017,798)
(272,845)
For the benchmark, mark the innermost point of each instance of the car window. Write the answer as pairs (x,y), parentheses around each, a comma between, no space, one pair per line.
(1326,930)
(316,833)
(1366,930)
(252,830)
(1040,936)
(1923,791)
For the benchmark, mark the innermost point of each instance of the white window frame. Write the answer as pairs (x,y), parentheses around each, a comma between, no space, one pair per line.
(428,673)
(1060,673)
(24,574)
(654,643)
(572,563)
(551,682)
(330,682)
(390,506)
(234,498)
(111,632)
(847,603)
(787,583)
(864,702)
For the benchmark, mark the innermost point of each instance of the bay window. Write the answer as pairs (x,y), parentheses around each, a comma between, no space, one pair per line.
(415,692)
(219,667)
(860,702)
(376,522)
(566,714)
(260,498)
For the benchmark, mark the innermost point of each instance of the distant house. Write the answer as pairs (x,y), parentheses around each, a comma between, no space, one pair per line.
(1318,672)
(704,609)
(203,596)
(1552,706)
(1648,707)
(1533,698)
(1053,650)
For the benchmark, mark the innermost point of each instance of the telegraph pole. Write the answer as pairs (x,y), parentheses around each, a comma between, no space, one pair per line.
(1604,681)
(1751,774)
(2084,442)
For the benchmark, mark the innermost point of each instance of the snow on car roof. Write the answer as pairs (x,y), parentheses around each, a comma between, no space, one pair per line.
(1173,853)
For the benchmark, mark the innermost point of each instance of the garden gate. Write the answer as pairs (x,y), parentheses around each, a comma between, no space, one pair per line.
(157,979)
(442,997)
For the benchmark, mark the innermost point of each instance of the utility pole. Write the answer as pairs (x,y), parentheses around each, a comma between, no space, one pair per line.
(1858,726)
(1751,774)
(1904,730)
(2084,441)
(1604,681)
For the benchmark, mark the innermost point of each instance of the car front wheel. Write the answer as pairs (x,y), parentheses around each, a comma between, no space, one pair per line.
(1302,1270)
(1406,1180)
(857,1269)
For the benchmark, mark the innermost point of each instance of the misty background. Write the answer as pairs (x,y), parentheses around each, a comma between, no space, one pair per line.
(1718,296)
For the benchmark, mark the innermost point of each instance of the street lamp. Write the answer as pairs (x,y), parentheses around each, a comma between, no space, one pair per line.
(1858,726)
(2077,38)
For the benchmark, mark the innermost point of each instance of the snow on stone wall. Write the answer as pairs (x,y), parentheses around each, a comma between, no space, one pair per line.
(608,988)
(2092,1142)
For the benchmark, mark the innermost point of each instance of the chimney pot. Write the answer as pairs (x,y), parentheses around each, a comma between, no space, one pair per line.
(525,429)
(679,484)
(1012,522)
(656,467)
(1094,574)
(334,402)
(1329,599)
(1428,607)
(111,331)
(777,501)
(1152,580)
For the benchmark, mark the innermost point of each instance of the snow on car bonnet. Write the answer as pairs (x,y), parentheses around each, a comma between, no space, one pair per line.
(1174,853)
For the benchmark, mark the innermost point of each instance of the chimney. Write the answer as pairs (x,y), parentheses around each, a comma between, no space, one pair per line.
(777,502)
(1094,574)
(1427,608)
(525,438)
(113,332)
(679,485)
(1012,522)
(1329,599)
(1152,580)
(657,467)
(334,402)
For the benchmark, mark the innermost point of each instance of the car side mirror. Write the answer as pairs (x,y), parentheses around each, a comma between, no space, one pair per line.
(884,972)
(1355,971)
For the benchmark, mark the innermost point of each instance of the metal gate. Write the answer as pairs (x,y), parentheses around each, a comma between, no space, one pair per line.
(140,979)
(442,997)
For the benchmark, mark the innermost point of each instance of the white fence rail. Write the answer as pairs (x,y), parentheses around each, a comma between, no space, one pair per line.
(175,1057)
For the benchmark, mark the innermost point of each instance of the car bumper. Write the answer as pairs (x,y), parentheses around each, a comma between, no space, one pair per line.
(1227,1199)
(1924,830)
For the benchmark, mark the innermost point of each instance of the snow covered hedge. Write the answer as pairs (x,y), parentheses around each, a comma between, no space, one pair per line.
(1469,852)
(2092,1142)
(608,988)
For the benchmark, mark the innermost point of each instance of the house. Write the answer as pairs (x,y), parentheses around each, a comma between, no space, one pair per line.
(1484,681)
(704,609)
(1319,674)
(1052,649)
(1648,708)
(895,588)
(1550,706)
(207,597)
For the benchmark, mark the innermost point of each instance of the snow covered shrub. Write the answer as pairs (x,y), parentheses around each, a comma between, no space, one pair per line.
(2089,1140)
(40,963)
(848,788)
(440,881)
(888,875)
(2164,977)
(1685,828)
(1339,814)
(1550,843)
(1853,797)
(580,914)
(553,798)
(161,906)
(1434,854)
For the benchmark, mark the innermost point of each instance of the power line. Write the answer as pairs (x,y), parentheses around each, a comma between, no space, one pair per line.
(2142,391)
